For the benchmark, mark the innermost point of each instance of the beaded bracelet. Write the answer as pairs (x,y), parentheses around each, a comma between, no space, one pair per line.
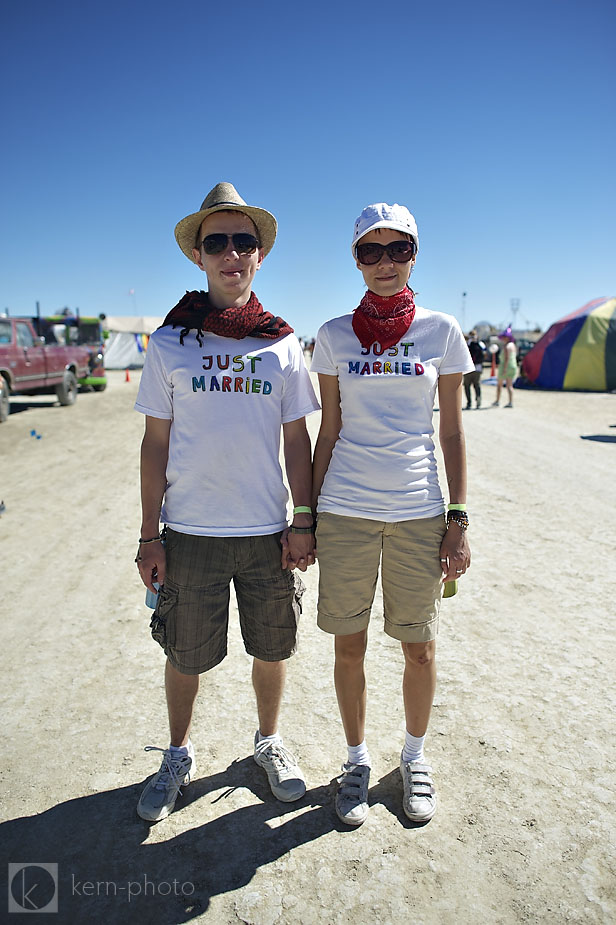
(458,517)
(301,529)
(155,539)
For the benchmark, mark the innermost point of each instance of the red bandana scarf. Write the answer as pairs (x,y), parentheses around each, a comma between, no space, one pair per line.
(384,319)
(195,310)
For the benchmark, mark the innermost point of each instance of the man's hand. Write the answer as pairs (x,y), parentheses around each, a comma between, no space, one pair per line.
(151,562)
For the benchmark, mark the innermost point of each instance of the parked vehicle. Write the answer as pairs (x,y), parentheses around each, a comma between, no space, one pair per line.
(85,331)
(28,366)
(524,345)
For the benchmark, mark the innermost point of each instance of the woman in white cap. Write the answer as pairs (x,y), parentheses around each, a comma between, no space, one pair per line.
(376,490)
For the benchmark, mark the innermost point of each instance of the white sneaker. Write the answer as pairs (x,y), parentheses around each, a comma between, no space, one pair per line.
(161,792)
(419,800)
(285,778)
(352,796)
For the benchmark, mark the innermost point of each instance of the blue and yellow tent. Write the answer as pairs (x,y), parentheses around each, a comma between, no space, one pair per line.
(577,352)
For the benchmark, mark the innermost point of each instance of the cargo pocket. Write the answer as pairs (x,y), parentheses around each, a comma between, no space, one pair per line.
(163,619)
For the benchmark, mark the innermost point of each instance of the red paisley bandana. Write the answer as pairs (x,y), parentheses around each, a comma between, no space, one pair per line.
(384,319)
(194,310)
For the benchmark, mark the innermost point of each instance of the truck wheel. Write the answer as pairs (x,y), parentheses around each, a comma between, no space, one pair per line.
(67,390)
(4,399)
(100,388)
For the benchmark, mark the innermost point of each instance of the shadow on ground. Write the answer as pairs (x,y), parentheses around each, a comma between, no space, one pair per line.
(108,871)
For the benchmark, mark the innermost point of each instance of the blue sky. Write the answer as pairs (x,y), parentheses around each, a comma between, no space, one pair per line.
(494,123)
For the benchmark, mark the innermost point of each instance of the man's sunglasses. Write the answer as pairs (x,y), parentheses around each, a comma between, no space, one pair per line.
(243,243)
(398,251)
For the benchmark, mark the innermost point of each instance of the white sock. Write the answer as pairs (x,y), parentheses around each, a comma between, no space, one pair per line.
(182,749)
(275,739)
(413,748)
(358,754)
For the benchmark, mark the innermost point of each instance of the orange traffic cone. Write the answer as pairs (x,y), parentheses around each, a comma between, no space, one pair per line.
(492,371)
(127,377)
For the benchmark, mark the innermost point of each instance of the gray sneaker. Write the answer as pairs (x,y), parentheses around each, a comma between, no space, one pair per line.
(285,778)
(419,800)
(161,792)
(352,795)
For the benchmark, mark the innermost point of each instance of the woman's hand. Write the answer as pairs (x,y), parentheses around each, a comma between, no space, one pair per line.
(455,554)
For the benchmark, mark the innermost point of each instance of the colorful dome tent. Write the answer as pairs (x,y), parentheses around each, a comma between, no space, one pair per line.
(577,352)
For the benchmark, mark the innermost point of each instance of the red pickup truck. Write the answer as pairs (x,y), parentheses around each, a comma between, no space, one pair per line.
(30,367)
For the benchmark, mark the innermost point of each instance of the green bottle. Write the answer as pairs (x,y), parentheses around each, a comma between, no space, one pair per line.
(450,588)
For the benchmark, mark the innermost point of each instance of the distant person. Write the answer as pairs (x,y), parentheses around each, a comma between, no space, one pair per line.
(222,379)
(477,350)
(507,366)
(377,493)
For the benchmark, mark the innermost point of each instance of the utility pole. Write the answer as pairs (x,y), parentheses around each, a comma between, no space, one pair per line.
(515,308)
(464,312)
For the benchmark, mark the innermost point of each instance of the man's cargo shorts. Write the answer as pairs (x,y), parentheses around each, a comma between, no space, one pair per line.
(192,612)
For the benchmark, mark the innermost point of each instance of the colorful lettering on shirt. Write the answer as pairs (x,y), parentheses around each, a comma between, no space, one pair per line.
(386,368)
(222,362)
(378,350)
(232,384)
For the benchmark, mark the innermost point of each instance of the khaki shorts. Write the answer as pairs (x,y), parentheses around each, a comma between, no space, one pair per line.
(350,550)
(192,612)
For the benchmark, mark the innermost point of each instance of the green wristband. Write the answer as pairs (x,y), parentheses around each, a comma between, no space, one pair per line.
(302,509)
(456,507)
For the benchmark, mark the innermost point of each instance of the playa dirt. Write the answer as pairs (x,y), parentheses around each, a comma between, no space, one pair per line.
(521,739)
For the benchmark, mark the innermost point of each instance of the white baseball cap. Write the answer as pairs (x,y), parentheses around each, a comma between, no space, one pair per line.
(382,215)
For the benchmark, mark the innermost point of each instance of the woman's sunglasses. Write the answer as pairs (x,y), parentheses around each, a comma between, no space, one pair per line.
(398,251)
(243,243)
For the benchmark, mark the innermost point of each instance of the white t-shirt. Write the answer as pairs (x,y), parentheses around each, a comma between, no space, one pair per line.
(383,465)
(227,400)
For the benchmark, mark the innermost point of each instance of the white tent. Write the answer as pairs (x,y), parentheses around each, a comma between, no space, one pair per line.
(127,340)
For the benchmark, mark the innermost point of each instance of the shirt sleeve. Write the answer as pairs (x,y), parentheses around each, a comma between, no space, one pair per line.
(155,395)
(299,398)
(322,357)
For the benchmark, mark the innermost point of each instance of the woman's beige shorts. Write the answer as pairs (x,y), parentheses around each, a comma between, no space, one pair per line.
(350,550)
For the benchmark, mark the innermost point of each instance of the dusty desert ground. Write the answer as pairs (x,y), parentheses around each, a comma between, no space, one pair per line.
(522,736)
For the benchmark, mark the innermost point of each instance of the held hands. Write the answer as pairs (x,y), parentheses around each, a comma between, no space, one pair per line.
(455,554)
(298,550)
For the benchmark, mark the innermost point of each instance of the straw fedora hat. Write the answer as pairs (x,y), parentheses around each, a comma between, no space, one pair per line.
(224,197)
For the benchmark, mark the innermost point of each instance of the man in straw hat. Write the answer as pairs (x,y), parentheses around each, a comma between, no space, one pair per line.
(222,377)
